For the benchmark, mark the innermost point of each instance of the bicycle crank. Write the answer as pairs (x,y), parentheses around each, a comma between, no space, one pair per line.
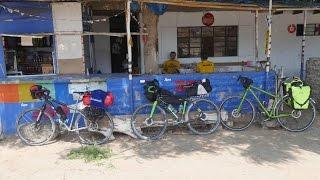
(235,113)
(149,121)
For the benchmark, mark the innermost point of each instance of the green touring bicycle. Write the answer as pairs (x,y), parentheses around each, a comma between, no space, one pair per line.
(238,112)
(150,121)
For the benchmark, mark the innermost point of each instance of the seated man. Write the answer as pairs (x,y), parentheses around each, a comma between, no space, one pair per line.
(205,66)
(172,65)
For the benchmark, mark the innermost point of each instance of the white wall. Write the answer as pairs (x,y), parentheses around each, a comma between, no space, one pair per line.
(286,47)
(102,50)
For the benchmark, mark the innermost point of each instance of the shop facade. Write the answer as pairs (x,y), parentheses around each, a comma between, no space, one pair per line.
(86,52)
(286,43)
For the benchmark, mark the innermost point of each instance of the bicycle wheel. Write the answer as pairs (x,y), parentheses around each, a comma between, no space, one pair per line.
(94,131)
(146,127)
(234,120)
(1,130)
(297,120)
(35,127)
(203,117)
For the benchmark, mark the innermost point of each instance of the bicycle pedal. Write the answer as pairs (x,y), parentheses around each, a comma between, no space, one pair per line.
(266,120)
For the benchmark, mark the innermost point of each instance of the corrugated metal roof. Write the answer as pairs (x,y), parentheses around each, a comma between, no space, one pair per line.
(296,3)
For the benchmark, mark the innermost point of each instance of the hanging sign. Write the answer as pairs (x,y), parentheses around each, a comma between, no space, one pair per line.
(292,28)
(208,19)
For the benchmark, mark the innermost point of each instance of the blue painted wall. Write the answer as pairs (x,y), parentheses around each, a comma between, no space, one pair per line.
(224,85)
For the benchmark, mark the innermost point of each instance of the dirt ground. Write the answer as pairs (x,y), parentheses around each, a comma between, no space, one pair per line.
(253,154)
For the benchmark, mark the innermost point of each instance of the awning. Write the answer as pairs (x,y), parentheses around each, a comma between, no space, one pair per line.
(22,17)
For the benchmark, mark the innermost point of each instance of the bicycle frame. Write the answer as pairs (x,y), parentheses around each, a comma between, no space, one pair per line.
(155,103)
(269,113)
(49,101)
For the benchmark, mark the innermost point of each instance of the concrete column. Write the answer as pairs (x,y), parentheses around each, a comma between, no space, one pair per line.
(67,18)
(151,47)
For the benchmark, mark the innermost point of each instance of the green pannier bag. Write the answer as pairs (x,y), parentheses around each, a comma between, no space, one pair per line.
(298,92)
(300,96)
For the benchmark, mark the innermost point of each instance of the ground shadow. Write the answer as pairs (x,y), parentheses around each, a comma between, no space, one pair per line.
(257,145)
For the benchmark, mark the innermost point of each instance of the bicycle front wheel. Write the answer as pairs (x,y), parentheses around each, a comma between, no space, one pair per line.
(203,117)
(94,131)
(147,126)
(35,127)
(295,120)
(237,114)
(1,130)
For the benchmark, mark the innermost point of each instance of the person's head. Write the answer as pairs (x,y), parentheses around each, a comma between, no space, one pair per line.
(204,57)
(173,55)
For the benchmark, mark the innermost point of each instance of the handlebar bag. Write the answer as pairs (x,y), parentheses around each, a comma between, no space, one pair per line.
(151,90)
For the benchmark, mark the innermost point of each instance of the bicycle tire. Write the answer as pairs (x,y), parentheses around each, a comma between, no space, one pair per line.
(139,131)
(225,123)
(284,123)
(1,130)
(22,134)
(203,124)
(102,129)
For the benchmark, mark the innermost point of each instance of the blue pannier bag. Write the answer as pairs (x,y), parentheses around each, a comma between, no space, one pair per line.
(97,98)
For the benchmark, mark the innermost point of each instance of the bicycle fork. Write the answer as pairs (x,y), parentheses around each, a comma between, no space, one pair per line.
(37,123)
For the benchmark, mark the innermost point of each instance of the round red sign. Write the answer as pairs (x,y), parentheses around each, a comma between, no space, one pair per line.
(208,19)
(292,28)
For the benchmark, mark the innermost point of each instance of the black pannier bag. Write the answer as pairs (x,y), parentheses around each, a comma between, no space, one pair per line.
(199,88)
(94,113)
(152,90)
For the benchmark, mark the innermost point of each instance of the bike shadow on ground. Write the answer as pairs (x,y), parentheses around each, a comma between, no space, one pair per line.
(13,141)
(257,145)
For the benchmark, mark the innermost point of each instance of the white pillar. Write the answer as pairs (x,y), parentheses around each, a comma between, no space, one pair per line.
(67,18)
(142,64)
(129,39)
(256,36)
(269,36)
(303,44)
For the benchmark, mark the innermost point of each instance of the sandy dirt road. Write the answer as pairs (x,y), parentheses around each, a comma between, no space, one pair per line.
(253,154)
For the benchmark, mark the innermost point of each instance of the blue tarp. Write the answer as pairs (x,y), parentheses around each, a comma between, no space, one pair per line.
(157,9)
(16,23)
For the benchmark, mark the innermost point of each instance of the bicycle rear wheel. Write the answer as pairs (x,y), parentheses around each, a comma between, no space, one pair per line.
(233,119)
(203,117)
(94,131)
(297,120)
(35,127)
(146,127)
